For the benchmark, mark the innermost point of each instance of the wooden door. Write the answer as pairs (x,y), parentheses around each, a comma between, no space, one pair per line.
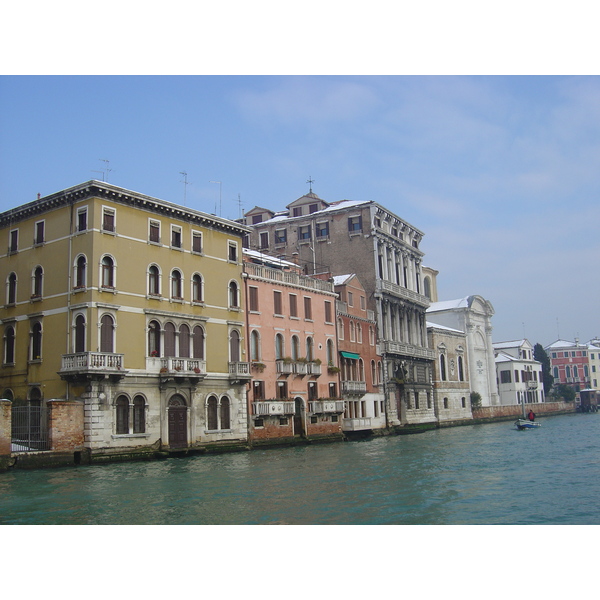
(298,409)
(177,424)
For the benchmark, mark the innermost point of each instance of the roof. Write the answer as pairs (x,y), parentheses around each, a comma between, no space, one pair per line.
(342,279)
(436,326)
(513,344)
(562,344)
(502,357)
(266,258)
(449,305)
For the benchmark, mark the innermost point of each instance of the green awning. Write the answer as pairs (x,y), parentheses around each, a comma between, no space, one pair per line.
(351,355)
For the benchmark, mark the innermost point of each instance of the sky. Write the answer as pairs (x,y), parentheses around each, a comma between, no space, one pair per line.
(501,173)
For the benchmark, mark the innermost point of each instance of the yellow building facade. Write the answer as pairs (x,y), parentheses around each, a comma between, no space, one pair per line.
(132,306)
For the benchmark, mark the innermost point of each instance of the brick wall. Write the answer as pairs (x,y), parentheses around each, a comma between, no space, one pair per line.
(66,425)
(515,411)
(5,424)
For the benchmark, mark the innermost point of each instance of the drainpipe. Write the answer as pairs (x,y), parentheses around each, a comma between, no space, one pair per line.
(69,286)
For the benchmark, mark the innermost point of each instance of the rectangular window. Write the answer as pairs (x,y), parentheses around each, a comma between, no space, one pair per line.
(197,242)
(293,305)
(256,219)
(154,234)
(82,219)
(175,236)
(516,376)
(259,390)
(313,208)
(304,232)
(333,390)
(363,303)
(108,220)
(350,299)
(283,421)
(277,303)
(505,377)
(297,211)
(14,240)
(39,232)
(264,240)
(232,255)
(253,299)
(280,236)
(323,230)
(307,308)
(355,224)
(328,312)
(282,390)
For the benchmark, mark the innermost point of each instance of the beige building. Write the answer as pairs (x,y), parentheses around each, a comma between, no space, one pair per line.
(112,299)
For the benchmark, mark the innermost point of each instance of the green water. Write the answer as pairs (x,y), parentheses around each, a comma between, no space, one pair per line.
(477,474)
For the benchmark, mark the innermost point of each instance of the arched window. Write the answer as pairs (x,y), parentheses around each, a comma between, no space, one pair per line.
(461,369)
(170,340)
(153,281)
(108,272)
(212,415)
(340,328)
(225,413)
(176,293)
(184,341)
(122,408)
(233,295)
(139,414)
(371,335)
(198,342)
(442,367)
(555,370)
(11,296)
(79,333)
(279,347)
(36,341)
(330,352)
(254,345)
(38,279)
(361,370)
(352,333)
(373,373)
(427,287)
(197,291)
(9,345)
(295,347)
(359,333)
(107,326)
(80,272)
(154,338)
(379,372)
(234,346)
(568,371)
(309,349)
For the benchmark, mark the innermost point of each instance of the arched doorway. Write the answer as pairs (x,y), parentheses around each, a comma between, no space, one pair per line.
(298,415)
(177,416)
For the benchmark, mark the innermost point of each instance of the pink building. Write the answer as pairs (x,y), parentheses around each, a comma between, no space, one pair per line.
(570,364)
(291,341)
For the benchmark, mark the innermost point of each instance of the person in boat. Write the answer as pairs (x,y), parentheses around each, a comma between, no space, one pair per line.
(531,415)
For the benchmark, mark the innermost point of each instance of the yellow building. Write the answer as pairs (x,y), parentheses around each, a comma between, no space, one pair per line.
(131,305)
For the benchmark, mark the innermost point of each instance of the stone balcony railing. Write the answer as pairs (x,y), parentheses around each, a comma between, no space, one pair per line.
(177,366)
(284,367)
(297,367)
(92,364)
(273,407)
(388,287)
(354,387)
(358,424)
(239,370)
(405,349)
(326,406)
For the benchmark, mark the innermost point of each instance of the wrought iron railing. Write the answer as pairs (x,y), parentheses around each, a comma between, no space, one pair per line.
(29,429)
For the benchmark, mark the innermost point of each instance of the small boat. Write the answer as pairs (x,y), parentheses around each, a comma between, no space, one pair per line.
(526,424)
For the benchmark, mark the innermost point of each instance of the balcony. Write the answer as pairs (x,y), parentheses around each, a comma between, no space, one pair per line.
(300,368)
(314,368)
(92,365)
(354,387)
(177,366)
(356,424)
(333,405)
(387,287)
(405,349)
(272,408)
(239,370)
(284,367)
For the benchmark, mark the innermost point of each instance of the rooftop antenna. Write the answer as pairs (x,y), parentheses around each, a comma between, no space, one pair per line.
(104,160)
(310,181)
(185,184)
(219,196)
(239,201)
(557,329)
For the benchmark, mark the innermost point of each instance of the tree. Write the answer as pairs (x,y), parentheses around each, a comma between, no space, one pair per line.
(564,391)
(475,400)
(542,356)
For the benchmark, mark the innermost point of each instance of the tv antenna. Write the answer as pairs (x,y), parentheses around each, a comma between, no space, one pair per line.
(185,184)
(239,202)
(219,196)
(105,171)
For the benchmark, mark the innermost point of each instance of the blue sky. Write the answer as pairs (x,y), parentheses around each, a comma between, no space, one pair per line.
(501,173)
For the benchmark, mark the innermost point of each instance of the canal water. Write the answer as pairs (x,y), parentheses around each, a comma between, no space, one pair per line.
(472,475)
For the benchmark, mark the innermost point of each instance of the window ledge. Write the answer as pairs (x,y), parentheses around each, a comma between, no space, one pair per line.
(129,435)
